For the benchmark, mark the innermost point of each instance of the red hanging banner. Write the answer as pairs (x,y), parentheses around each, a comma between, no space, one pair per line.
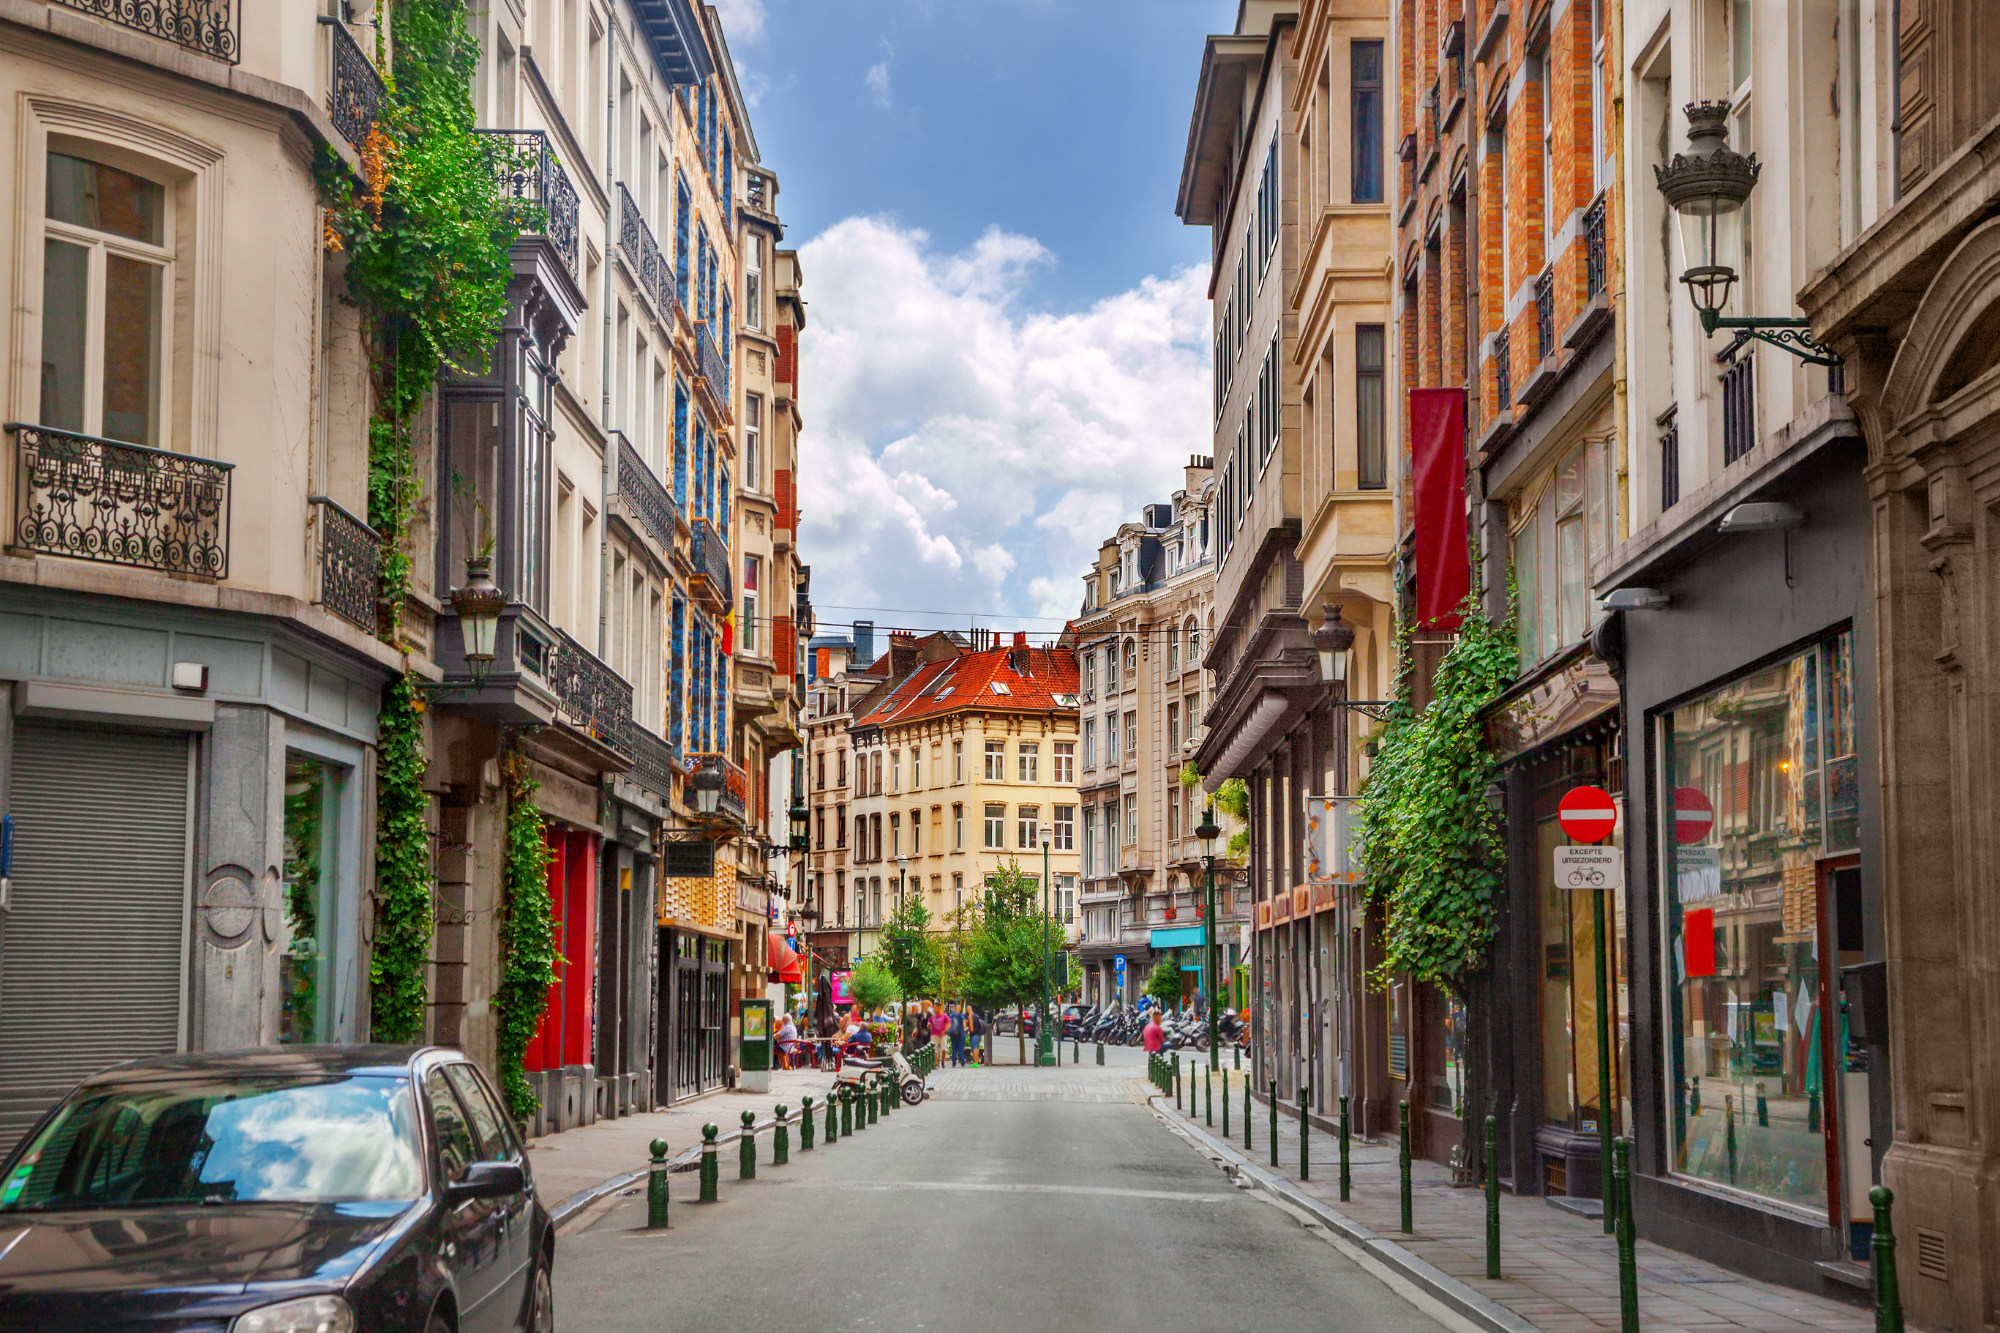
(1437,450)
(1698,941)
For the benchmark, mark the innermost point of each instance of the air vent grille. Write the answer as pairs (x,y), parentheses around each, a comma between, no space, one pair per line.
(1930,1254)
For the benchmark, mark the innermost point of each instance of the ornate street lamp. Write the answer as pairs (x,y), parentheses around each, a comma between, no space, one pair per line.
(1707,187)
(1207,832)
(798,828)
(707,783)
(1045,1043)
(478,604)
(1334,642)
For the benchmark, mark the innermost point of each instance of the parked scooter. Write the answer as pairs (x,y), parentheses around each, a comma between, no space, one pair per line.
(855,1072)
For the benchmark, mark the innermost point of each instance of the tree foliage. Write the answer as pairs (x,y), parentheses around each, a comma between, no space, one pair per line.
(1012,942)
(872,985)
(1163,983)
(403,915)
(1430,849)
(909,950)
(527,938)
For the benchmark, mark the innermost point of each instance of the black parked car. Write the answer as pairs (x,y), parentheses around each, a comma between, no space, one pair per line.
(333,1189)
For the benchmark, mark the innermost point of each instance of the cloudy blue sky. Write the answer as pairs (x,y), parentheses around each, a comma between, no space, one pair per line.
(1007,330)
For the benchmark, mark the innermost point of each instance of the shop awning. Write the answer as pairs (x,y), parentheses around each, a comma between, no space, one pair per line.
(1178,937)
(785,965)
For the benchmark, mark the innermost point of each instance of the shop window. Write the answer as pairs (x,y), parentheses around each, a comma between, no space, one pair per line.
(1761,814)
(1558,531)
(304,971)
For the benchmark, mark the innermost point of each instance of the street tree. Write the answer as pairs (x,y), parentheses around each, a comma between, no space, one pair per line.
(909,950)
(1163,983)
(872,985)
(1009,946)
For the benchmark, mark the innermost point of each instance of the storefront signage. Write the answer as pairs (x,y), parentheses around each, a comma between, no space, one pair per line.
(1281,909)
(1301,901)
(1693,815)
(1587,813)
(1327,836)
(840,995)
(1589,868)
(1263,916)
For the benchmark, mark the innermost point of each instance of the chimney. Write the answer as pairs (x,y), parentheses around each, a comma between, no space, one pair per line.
(864,642)
(1020,638)
(903,655)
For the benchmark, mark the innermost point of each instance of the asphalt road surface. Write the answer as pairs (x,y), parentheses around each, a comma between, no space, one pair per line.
(1015,1199)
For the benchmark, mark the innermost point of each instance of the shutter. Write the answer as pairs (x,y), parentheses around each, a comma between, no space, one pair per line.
(92,967)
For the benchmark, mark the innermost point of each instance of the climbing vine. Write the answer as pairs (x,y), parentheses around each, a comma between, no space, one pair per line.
(527,937)
(1431,850)
(402,867)
(426,238)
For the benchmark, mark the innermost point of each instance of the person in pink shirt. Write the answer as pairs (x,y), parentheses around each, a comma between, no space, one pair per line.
(940,1024)
(1154,1036)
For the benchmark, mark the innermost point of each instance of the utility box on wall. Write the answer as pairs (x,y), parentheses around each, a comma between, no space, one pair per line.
(754,1056)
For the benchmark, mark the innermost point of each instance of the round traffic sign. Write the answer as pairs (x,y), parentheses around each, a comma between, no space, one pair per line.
(1693,815)
(1587,814)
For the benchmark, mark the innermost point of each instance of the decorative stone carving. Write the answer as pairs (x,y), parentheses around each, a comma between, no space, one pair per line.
(228,906)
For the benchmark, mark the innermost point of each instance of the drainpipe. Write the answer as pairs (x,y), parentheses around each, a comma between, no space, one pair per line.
(610,481)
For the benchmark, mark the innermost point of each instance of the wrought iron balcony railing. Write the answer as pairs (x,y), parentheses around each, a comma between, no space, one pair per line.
(644,496)
(710,552)
(1593,247)
(1545,315)
(350,564)
(1503,369)
(122,504)
(650,266)
(526,164)
(714,367)
(355,98)
(211,27)
(592,698)
(652,762)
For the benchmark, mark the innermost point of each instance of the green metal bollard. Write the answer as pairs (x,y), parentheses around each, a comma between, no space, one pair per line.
(846,1110)
(1628,1264)
(1249,1119)
(1274,1122)
(1225,1107)
(1208,1096)
(1492,1197)
(1403,1159)
(805,1124)
(1888,1297)
(1100,1052)
(832,1123)
(1346,1171)
(656,1187)
(1177,1083)
(889,1093)
(781,1140)
(1305,1131)
(1239,1055)
(746,1152)
(711,1169)
(875,1102)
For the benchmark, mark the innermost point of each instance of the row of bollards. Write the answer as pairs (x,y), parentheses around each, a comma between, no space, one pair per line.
(1617,1193)
(857,1109)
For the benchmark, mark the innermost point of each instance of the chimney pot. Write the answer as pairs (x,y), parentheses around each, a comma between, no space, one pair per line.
(1020,638)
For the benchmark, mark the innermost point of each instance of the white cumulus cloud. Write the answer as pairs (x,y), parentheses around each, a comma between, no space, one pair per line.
(964,455)
(742,20)
(877,80)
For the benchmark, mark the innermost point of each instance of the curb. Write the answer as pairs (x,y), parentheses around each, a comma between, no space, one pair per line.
(1441,1286)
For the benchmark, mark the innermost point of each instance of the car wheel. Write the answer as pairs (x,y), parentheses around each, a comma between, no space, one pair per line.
(542,1313)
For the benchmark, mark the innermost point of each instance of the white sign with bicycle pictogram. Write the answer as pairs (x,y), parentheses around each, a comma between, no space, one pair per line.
(1589,868)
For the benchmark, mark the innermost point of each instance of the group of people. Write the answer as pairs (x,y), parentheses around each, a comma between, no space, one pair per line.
(959,1031)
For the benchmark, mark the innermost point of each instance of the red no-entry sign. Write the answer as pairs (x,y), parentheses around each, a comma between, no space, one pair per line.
(1587,814)
(1693,815)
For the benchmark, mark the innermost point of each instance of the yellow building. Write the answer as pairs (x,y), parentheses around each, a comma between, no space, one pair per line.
(965,760)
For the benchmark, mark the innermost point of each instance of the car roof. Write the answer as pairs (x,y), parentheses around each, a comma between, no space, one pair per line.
(274,1061)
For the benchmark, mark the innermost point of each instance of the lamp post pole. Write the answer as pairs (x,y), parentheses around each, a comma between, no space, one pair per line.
(1207,832)
(1045,1049)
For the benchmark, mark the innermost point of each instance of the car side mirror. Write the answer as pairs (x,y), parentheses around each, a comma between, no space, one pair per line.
(487,1180)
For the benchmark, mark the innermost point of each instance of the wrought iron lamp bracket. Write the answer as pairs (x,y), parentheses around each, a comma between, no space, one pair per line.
(1789,332)
(1378,709)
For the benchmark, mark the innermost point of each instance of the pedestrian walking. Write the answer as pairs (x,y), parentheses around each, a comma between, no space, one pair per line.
(958,1025)
(981,1027)
(940,1024)
(1155,1036)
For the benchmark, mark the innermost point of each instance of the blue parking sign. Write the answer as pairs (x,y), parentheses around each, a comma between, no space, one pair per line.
(1118,970)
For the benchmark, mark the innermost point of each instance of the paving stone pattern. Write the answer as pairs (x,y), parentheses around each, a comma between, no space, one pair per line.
(1560,1270)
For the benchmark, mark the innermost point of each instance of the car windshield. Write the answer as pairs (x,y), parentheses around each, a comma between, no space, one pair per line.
(333,1139)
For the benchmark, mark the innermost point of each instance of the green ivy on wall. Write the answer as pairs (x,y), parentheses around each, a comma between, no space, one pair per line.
(402,867)
(427,239)
(527,938)
(1431,851)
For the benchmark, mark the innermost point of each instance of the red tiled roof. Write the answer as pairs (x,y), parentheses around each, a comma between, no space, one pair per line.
(969,679)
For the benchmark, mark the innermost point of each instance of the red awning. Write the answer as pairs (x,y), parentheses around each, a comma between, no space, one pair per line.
(785,965)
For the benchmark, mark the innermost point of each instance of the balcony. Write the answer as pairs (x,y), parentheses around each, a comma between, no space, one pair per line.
(710,552)
(651,271)
(354,97)
(350,563)
(652,763)
(1503,370)
(1593,248)
(525,163)
(209,27)
(1545,315)
(713,366)
(645,499)
(590,696)
(120,504)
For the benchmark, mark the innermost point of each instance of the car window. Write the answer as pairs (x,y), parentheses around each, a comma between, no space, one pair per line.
(456,1150)
(330,1139)
(493,1143)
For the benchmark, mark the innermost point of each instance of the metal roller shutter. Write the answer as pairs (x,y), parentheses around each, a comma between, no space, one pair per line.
(93,958)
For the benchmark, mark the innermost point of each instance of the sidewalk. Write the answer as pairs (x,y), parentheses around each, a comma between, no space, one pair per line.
(1561,1270)
(588,1156)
